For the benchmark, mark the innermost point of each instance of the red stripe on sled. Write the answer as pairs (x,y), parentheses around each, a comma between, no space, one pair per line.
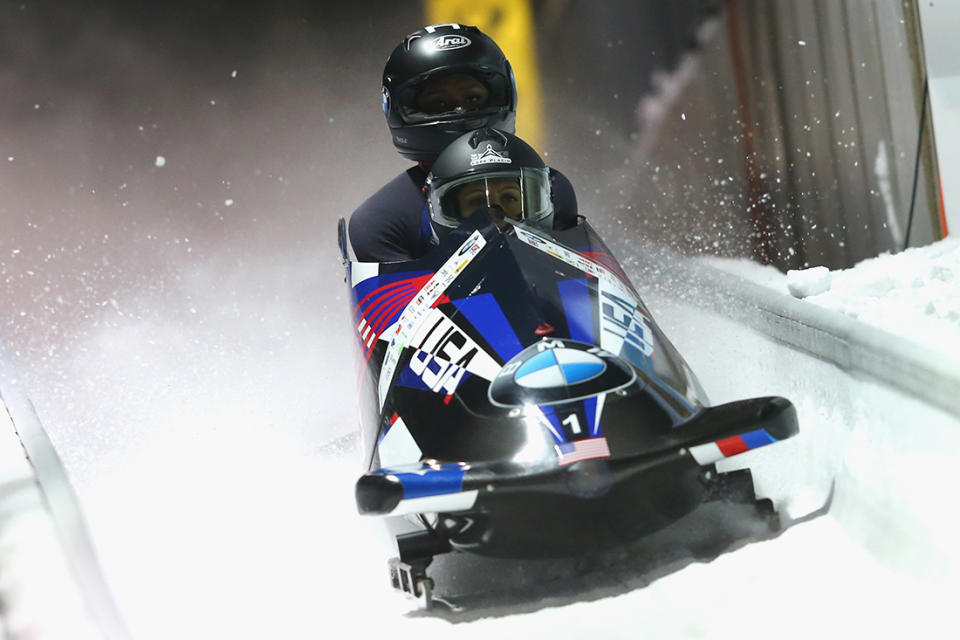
(732,446)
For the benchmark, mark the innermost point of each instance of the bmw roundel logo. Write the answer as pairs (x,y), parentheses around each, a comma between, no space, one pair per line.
(554,371)
(558,367)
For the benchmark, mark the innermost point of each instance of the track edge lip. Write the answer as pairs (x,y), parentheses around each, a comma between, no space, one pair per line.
(61,504)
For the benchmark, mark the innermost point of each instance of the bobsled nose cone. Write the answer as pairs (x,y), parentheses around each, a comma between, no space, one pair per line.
(378,493)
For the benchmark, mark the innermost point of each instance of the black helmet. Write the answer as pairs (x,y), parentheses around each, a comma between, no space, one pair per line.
(432,53)
(490,169)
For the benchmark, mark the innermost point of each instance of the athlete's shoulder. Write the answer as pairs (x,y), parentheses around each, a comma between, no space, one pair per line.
(387,225)
(402,194)
(564,200)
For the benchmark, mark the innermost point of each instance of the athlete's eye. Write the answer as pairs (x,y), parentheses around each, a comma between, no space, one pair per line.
(473,202)
(476,99)
(511,197)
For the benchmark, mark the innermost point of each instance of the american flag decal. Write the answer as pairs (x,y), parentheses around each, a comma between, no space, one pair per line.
(586,449)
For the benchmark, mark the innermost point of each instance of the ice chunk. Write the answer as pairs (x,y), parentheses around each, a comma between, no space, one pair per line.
(808,282)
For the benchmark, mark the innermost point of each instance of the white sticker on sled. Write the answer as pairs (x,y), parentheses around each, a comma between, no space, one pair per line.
(706,454)
(415,312)
(622,321)
(445,353)
(398,446)
(448,502)
(360,271)
(569,256)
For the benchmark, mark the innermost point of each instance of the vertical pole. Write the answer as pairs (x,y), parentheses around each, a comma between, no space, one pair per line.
(758,213)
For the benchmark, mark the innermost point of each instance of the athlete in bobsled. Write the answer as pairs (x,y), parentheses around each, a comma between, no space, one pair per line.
(522,401)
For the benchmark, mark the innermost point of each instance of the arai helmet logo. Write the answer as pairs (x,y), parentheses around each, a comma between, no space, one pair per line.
(489,156)
(385,99)
(556,371)
(448,42)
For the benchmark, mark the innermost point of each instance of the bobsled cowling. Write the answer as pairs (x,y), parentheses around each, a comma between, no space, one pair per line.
(516,382)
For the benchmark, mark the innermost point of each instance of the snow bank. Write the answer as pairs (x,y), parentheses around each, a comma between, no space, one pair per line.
(914,294)
(808,282)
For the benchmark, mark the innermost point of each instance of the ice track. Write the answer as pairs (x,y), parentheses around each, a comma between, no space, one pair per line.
(218,491)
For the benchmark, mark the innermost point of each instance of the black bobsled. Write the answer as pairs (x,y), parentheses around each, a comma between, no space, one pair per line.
(522,402)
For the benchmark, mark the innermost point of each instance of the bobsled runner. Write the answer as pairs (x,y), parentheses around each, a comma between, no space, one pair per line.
(520,401)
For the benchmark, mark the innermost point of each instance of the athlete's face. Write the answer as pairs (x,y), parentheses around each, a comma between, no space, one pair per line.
(456,91)
(505,195)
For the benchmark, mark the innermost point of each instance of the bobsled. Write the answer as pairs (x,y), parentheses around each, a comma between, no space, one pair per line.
(520,401)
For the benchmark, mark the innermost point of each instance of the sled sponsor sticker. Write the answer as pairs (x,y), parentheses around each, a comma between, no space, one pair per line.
(559,367)
(624,330)
(445,354)
(413,315)
(555,371)
(571,257)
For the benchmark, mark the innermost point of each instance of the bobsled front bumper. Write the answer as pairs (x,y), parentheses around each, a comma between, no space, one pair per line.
(503,508)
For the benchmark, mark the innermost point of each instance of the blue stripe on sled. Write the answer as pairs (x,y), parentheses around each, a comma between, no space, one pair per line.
(758,438)
(485,315)
(593,420)
(575,295)
(433,482)
(551,415)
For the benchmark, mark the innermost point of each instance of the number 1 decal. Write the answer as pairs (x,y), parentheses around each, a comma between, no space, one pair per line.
(573,422)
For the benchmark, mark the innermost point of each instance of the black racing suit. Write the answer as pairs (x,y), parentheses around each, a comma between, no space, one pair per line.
(394,223)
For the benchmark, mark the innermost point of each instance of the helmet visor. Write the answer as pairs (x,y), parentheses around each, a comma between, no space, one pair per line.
(452,95)
(519,194)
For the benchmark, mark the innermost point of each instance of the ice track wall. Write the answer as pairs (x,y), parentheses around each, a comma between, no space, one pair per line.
(858,349)
(878,417)
(51,585)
